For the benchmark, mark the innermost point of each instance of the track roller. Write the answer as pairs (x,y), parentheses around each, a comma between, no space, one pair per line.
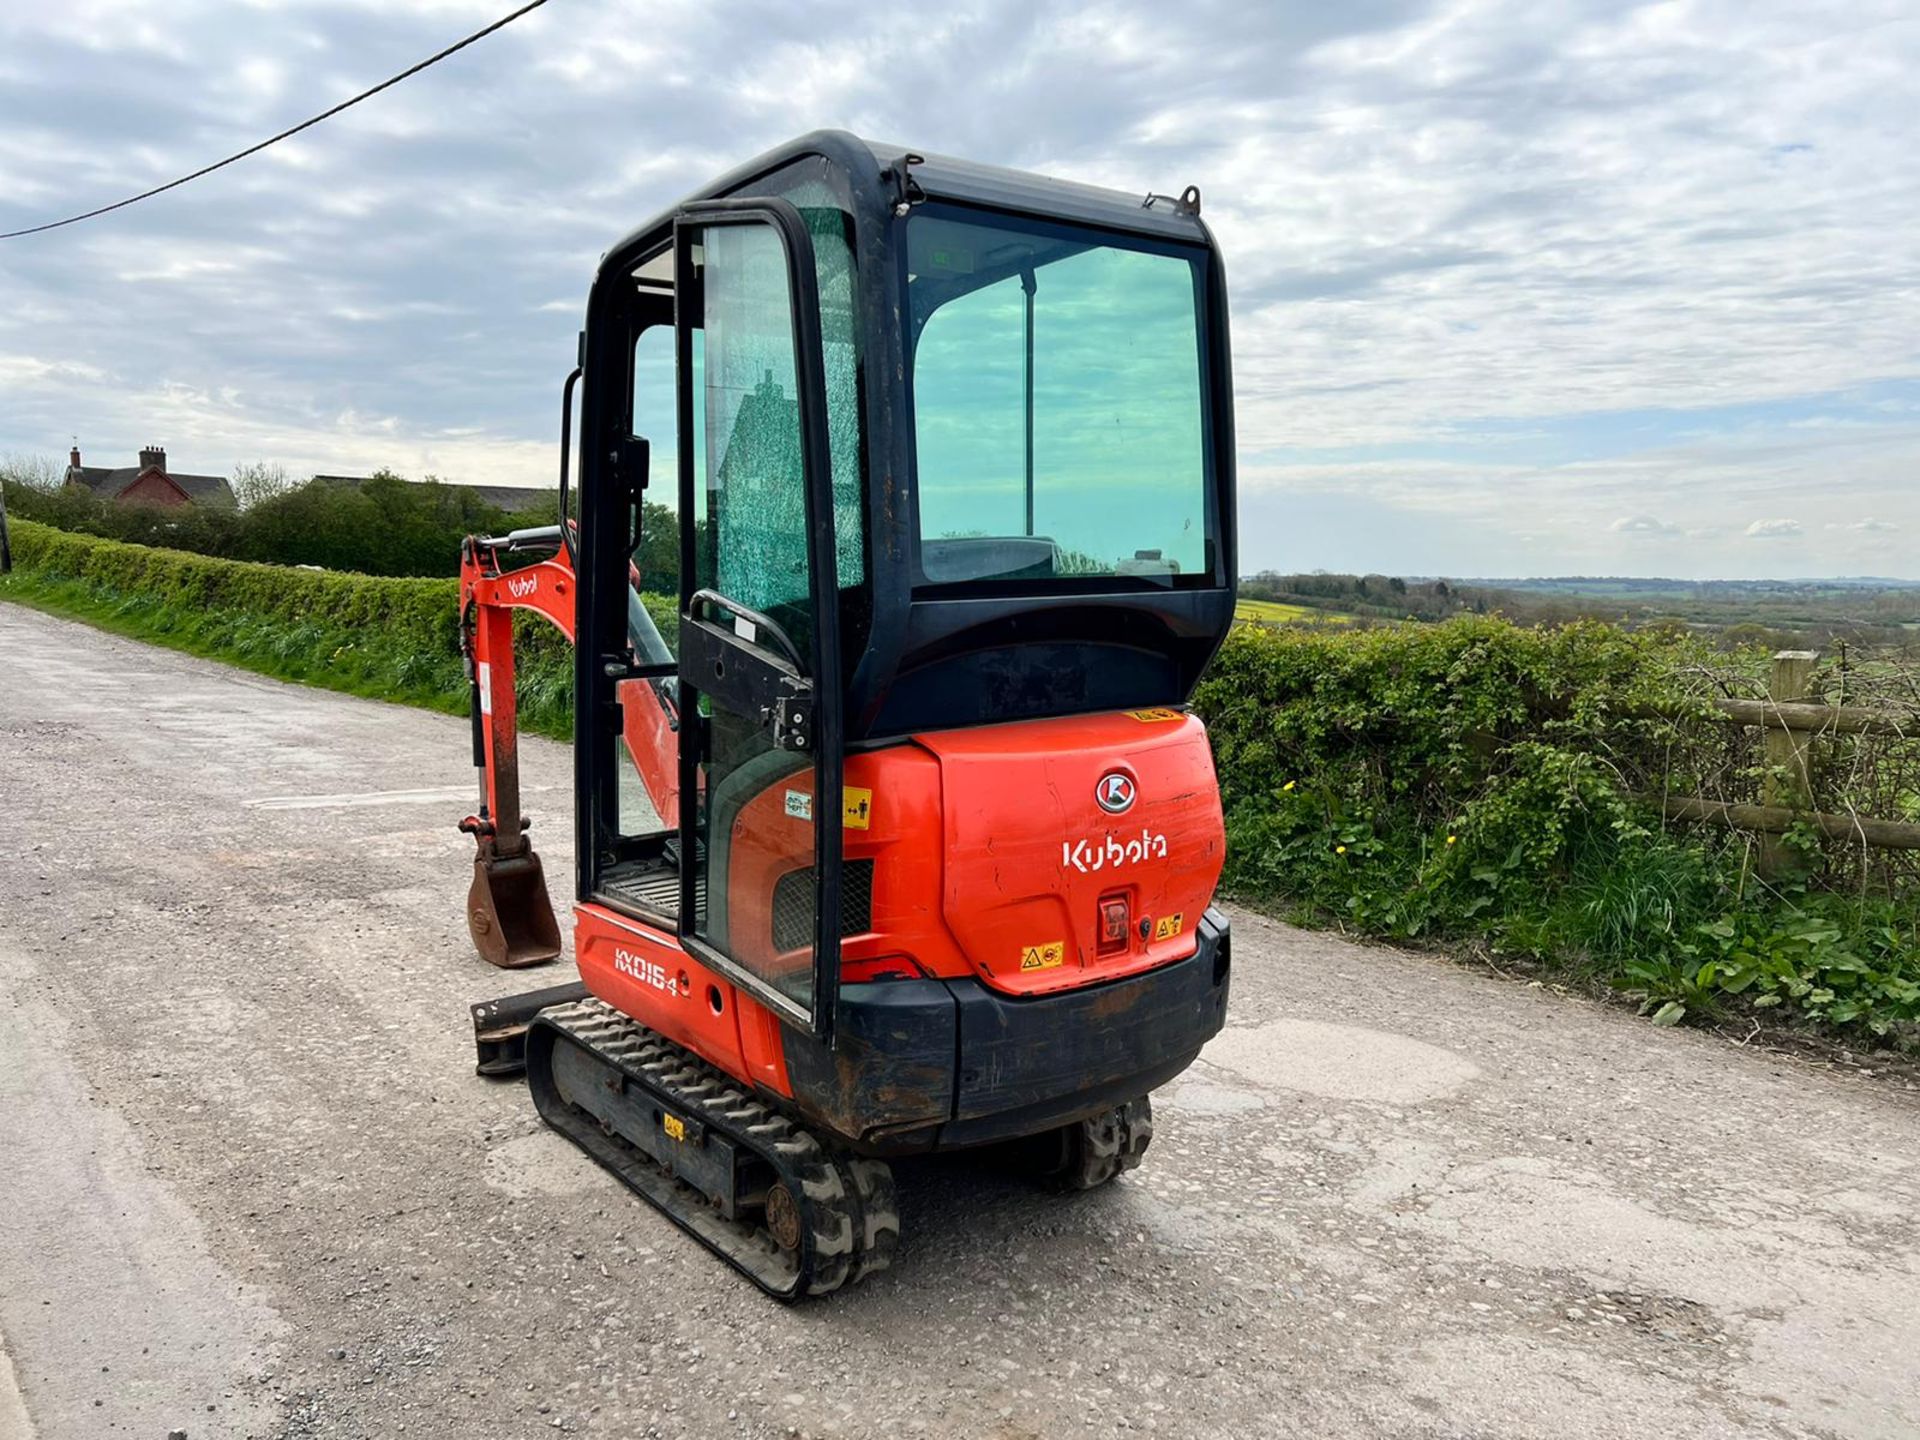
(795,1214)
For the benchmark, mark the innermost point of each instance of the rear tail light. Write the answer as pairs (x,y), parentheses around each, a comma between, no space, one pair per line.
(1116,919)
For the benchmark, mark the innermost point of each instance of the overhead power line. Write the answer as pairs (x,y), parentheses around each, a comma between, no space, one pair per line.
(501,23)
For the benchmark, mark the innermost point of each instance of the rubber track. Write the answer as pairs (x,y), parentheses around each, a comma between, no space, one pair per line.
(846,1201)
(1096,1150)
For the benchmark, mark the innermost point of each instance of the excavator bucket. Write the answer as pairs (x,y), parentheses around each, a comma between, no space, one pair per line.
(508,912)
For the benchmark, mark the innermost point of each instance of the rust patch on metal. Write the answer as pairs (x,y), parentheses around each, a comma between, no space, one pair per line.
(1119,1000)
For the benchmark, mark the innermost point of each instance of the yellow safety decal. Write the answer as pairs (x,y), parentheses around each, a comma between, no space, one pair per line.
(1148,717)
(1044,957)
(1167,926)
(858,807)
(675,1127)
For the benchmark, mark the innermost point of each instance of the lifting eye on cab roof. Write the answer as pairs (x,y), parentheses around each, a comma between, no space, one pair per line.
(1186,203)
(906,190)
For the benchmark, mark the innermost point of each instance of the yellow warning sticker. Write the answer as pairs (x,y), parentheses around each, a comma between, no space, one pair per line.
(675,1127)
(1167,926)
(858,807)
(1148,717)
(1043,957)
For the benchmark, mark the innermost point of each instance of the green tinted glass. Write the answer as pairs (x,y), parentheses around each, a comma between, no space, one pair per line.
(828,226)
(752,800)
(1058,405)
(753,542)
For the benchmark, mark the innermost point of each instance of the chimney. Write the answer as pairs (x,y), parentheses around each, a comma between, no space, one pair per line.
(73,457)
(154,458)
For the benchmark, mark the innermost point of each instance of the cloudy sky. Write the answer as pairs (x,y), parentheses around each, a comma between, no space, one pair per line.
(1518,288)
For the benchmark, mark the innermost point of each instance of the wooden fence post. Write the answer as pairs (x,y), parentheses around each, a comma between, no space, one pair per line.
(1788,781)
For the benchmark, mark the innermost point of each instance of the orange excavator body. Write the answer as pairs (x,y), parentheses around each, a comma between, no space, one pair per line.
(905,841)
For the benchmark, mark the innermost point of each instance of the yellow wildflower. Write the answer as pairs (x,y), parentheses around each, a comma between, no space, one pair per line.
(1339,849)
(1288,786)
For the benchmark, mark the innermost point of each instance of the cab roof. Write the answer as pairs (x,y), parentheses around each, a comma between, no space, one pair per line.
(871,169)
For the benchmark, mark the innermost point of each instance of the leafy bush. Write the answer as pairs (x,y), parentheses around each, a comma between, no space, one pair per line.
(391,638)
(204,529)
(1477,781)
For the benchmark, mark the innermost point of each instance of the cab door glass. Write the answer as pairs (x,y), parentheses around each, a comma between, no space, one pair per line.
(754,848)
(751,541)
(645,761)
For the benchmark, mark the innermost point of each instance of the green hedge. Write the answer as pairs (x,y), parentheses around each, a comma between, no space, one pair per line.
(419,613)
(395,639)
(1478,782)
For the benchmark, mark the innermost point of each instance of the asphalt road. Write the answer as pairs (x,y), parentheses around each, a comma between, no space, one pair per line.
(250,1186)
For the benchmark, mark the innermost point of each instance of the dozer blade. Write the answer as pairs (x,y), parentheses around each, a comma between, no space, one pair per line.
(500,1027)
(509,914)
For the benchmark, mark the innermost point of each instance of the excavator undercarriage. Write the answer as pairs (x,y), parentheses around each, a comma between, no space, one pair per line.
(773,1199)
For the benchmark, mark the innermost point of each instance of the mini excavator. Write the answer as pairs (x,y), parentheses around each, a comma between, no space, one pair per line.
(905,527)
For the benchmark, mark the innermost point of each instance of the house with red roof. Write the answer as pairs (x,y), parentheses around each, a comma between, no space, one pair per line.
(148,483)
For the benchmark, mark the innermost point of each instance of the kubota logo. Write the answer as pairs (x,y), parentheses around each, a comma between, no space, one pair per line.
(1115,792)
(1111,852)
(522,586)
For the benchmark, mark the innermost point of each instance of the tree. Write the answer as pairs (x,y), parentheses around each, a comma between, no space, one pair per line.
(260,481)
(658,555)
(34,472)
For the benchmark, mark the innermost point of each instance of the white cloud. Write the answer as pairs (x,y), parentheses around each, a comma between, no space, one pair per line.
(25,370)
(1775,529)
(1645,525)
(1867,524)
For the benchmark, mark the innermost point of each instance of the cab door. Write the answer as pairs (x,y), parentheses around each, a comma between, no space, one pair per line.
(760,734)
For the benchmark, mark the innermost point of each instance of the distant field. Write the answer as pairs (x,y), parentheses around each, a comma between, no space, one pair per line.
(1275,612)
(1777,614)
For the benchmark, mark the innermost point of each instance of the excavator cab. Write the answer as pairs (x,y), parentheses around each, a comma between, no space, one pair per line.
(905,530)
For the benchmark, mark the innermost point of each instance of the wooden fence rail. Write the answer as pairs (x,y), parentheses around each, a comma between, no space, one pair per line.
(1820,719)
(1776,819)
(1791,723)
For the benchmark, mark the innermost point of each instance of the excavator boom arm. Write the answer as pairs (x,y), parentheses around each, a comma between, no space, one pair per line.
(508,912)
